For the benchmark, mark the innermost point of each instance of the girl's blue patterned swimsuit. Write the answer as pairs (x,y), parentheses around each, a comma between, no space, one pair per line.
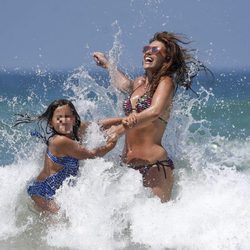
(47,188)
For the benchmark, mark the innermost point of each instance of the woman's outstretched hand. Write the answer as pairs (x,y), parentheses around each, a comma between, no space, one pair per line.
(101,59)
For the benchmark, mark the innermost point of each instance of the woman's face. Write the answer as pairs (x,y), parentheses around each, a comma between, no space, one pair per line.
(63,120)
(154,55)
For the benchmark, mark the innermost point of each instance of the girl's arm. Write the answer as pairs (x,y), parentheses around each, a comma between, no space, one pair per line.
(108,122)
(84,125)
(121,81)
(66,146)
(105,124)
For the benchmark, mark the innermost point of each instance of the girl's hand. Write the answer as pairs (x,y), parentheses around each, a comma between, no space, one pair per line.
(101,59)
(112,139)
(129,121)
(115,131)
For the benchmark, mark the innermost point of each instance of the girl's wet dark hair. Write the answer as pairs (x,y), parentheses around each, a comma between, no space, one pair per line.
(181,65)
(47,116)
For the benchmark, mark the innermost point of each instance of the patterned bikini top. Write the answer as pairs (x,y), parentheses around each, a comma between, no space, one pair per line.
(142,103)
(70,168)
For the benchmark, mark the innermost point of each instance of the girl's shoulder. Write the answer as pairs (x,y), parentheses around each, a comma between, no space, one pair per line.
(58,145)
(83,127)
(58,140)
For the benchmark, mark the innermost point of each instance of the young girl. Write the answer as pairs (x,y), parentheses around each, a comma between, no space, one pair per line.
(64,151)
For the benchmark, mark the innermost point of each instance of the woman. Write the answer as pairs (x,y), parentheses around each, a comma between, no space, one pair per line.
(148,107)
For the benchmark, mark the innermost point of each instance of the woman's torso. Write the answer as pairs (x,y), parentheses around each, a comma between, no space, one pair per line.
(143,143)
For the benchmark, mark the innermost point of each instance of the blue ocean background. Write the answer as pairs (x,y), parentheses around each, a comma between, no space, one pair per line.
(226,111)
(208,137)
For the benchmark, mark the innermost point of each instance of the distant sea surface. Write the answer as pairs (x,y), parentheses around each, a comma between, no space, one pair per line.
(208,137)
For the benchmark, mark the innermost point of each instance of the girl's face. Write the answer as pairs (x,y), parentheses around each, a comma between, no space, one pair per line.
(63,120)
(154,55)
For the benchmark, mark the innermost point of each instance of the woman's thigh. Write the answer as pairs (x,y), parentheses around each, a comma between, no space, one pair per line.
(160,180)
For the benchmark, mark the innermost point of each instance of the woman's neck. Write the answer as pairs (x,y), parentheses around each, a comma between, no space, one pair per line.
(149,76)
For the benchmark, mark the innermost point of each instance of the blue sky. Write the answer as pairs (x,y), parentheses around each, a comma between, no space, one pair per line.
(60,34)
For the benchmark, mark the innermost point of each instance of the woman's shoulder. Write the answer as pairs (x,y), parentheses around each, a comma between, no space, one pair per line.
(140,80)
(166,82)
(165,79)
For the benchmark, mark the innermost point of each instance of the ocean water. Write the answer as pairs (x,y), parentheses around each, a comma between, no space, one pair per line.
(208,138)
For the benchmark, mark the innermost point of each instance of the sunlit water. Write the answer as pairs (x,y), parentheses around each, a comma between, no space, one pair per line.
(108,208)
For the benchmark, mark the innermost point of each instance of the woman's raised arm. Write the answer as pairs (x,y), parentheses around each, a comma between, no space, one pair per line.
(121,81)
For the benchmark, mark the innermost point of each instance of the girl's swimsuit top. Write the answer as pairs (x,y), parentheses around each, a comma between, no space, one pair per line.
(142,103)
(70,168)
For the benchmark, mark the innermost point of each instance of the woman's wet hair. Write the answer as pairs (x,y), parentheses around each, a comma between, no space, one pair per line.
(181,65)
(47,131)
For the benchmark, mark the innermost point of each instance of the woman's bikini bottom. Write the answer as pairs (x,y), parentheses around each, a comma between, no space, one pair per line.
(143,169)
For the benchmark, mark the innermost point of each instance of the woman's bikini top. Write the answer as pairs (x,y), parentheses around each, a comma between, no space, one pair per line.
(70,168)
(142,103)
